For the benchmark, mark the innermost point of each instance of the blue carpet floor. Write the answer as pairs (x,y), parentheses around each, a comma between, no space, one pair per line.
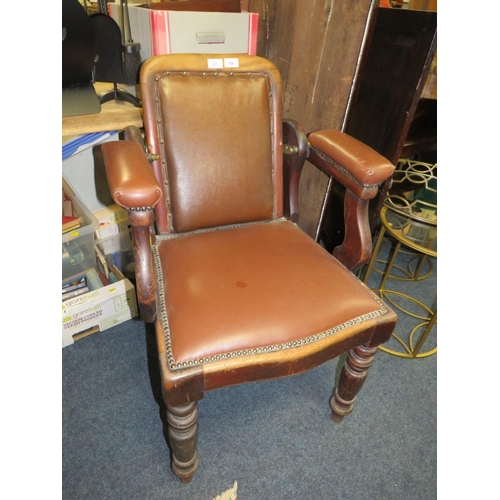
(274,438)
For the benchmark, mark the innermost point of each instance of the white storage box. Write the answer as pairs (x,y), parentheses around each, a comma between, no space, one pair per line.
(174,32)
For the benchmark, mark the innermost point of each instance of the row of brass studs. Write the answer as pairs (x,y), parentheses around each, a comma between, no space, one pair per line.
(140,209)
(266,349)
(158,121)
(342,169)
(206,73)
(162,155)
(245,352)
(170,236)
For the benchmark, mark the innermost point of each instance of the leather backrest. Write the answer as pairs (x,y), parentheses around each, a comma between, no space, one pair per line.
(217,131)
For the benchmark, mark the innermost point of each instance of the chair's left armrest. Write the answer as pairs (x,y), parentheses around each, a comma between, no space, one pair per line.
(131,179)
(361,170)
(133,185)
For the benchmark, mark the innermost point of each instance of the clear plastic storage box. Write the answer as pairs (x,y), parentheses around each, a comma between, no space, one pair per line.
(78,254)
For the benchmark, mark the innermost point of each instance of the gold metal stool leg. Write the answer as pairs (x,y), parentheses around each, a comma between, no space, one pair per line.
(429,317)
(376,250)
(429,322)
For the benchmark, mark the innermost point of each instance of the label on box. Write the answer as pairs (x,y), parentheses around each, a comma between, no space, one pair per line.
(105,307)
(111,214)
(112,229)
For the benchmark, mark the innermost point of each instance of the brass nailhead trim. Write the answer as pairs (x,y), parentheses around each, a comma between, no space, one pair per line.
(140,209)
(342,169)
(173,365)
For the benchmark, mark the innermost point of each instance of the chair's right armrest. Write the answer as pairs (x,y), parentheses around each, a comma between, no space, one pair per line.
(352,163)
(133,185)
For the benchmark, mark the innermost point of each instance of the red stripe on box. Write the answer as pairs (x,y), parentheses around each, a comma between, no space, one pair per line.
(253,27)
(160,32)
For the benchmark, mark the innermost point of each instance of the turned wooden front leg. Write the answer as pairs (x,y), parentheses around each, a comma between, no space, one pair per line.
(351,380)
(183,436)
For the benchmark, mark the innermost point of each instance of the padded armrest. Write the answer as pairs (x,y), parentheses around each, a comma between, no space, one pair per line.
(133,185)
(354,164)
(131,179)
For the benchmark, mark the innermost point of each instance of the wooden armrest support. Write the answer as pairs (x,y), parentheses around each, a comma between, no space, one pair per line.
(133,133)
(131,179)
(295,151)
(360,170)
(354,164)
(133,185)
(144,275)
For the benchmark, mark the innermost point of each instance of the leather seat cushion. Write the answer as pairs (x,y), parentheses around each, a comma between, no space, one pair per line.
(251,286)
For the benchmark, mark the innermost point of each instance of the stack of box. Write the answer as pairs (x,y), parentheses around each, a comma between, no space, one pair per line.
(108,297)
(114,238)
(98,309)
(78,245)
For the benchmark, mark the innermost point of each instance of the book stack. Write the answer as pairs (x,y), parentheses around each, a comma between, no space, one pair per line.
(90,280)
(95,300)
(74,288)
(70,221)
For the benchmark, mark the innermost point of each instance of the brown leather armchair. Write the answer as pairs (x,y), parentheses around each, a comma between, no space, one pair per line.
(237,291)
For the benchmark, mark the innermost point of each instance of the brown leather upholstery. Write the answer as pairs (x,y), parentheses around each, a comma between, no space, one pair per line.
(349,160)
(237,292)
(257,286)
(125,189)
(228,179)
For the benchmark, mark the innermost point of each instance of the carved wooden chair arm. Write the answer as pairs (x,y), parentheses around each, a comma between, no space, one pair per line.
(361,170)
(133,185)
(295,151)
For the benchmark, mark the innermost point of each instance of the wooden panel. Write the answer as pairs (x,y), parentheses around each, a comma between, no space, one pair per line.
(423,5)
(430,87)
(316,47)
(389,88)
(266,10)
(391,81)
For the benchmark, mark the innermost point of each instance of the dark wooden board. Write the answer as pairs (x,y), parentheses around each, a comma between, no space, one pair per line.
(386,97)
(316,46)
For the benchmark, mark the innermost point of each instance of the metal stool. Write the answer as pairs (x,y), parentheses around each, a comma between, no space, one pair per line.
(409,218)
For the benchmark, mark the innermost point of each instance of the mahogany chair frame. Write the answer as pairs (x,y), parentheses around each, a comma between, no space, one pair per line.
(144,175)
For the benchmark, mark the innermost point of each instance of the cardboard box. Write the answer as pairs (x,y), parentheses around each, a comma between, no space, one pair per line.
(98,310)
(173,32)
(110,214)
(112,229)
